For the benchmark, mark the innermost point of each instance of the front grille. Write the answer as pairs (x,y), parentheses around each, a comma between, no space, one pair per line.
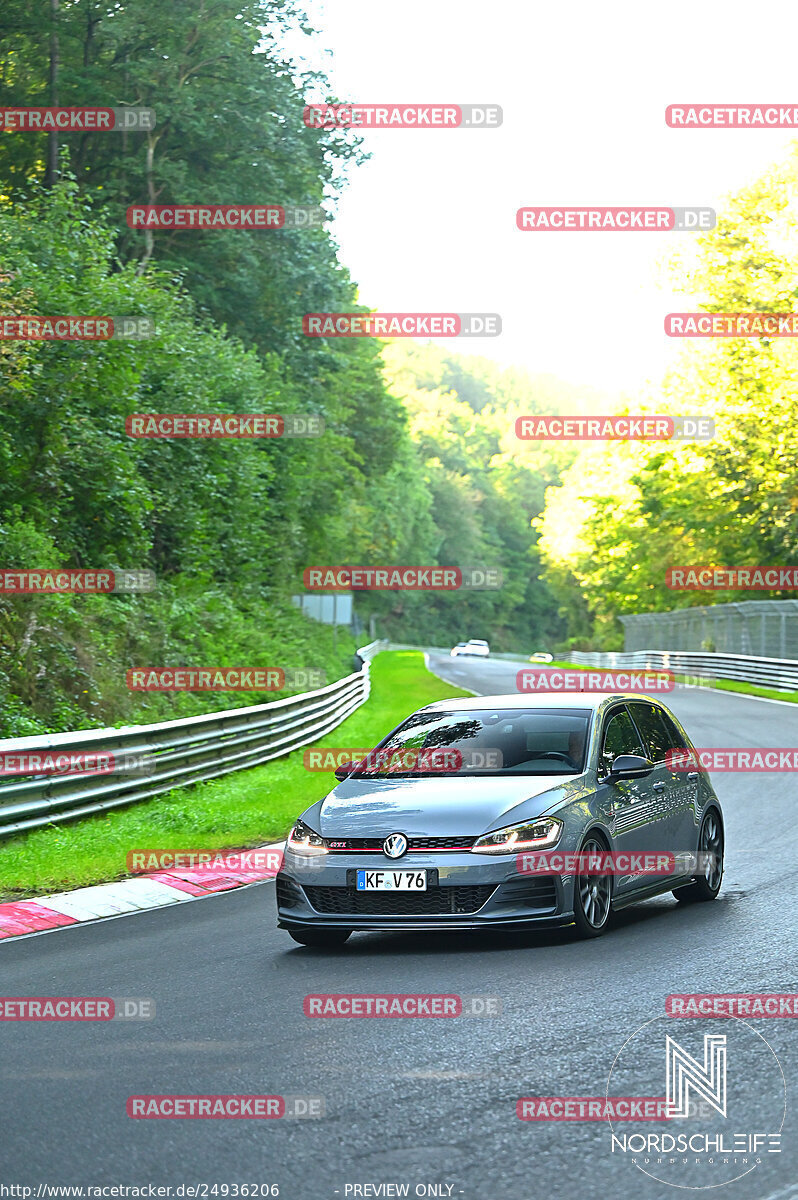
(347,901)
(374,845)
(454,843)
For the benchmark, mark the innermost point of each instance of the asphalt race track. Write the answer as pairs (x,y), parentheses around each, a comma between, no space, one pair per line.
(407,1101)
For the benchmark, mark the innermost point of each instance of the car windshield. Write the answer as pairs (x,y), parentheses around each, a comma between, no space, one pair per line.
(516,741)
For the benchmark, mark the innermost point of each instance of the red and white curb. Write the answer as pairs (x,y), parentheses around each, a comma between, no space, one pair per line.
(156,889)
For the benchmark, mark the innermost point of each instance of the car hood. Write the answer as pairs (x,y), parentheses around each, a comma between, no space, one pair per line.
(440,807)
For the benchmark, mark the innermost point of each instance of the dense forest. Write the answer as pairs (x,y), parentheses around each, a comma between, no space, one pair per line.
(415,465)
(418,463)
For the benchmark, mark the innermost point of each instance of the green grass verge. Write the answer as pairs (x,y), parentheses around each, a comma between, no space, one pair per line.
(751,689)
(244,809)
(719,685)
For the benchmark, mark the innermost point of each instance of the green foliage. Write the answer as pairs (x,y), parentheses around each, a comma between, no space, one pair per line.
(426,470)
(617,522)
(484,488)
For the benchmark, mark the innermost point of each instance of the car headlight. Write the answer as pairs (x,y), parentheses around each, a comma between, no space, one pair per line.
(539,834)
(303,840)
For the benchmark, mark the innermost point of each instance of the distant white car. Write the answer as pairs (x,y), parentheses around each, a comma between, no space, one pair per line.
(541,656)
(474,647)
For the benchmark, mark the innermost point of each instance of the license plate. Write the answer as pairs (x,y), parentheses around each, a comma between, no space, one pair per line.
(391,881)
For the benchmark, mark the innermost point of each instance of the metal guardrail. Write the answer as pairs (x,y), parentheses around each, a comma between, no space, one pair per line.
(188,750)
(781,674)
(778,673)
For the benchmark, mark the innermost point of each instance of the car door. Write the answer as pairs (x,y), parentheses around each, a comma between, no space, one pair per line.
(672,789)
(628,802)
(685,784)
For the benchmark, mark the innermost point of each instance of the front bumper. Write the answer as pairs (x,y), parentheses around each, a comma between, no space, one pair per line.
(464,891)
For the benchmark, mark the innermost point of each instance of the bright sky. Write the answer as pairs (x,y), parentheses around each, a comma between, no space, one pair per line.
(429,223)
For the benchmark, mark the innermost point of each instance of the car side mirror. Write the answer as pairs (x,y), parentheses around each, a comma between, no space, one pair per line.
(629,766)
(345,769)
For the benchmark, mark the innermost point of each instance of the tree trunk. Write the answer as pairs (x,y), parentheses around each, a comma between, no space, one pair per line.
(52,138)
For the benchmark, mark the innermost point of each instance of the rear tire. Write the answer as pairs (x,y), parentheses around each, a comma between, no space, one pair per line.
(592,896)
(321,938)
(710,843)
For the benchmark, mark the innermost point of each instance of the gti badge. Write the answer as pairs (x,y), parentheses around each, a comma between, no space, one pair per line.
(395,845)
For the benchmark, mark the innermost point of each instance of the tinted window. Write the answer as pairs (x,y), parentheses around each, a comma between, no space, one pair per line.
(519,741)
(620,737)
(651,723)
(676,740)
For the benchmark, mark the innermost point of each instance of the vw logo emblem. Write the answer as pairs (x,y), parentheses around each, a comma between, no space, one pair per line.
(395,845)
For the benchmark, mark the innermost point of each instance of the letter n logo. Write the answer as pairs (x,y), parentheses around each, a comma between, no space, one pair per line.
(684,1072)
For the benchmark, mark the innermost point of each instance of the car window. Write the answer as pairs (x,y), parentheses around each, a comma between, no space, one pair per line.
(620,737)
(676,740)
(650,720)
(522,741)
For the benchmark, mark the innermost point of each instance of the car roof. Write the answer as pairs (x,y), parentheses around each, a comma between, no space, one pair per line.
(593,700)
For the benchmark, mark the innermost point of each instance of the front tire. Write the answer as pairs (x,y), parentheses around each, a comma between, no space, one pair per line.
(592,896)
(710,844)
(324,939)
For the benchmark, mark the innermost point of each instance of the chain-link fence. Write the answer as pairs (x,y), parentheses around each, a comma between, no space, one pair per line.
(766,628)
